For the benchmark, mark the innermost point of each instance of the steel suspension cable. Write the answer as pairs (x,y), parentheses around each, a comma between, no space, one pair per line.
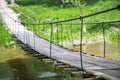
(61,34)
(71,35)
(57,35)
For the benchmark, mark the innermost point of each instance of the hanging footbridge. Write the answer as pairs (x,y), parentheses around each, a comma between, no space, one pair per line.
(96,65)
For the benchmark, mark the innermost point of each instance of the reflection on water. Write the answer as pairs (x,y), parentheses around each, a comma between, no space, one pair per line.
(112,50)
(19,69)
(47,74)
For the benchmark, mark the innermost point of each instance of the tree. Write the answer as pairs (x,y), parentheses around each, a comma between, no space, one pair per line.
(78,4)
(60,1)
(12,2)
(81,14)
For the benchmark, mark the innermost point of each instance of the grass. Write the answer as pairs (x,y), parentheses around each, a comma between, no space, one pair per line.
(40,9)
(48,11)
(4,36)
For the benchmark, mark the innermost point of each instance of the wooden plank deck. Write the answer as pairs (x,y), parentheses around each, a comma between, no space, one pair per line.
(96,65)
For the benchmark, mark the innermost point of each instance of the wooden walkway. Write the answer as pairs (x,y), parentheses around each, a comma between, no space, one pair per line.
(96,65)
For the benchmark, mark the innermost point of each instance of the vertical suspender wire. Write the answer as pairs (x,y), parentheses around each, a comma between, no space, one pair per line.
(24,32)
(51,34)
(39,29)
(71,35)
(28,34)
(57,35)
(67,36)
(17,26)
(64,36)
(43,29)
(104,43)
(14,22)
(33,35)
(81,37)
(61,35)
(32,30)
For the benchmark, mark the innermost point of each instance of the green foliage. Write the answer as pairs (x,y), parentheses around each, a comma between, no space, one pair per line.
(5,38)
(115,36)
(50,10)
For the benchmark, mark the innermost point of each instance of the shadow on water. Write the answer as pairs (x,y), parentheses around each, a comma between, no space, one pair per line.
(19,69)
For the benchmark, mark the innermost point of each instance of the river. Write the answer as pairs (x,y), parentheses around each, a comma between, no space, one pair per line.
(112,49)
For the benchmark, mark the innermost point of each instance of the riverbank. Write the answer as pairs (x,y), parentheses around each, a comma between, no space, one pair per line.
(17,64)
